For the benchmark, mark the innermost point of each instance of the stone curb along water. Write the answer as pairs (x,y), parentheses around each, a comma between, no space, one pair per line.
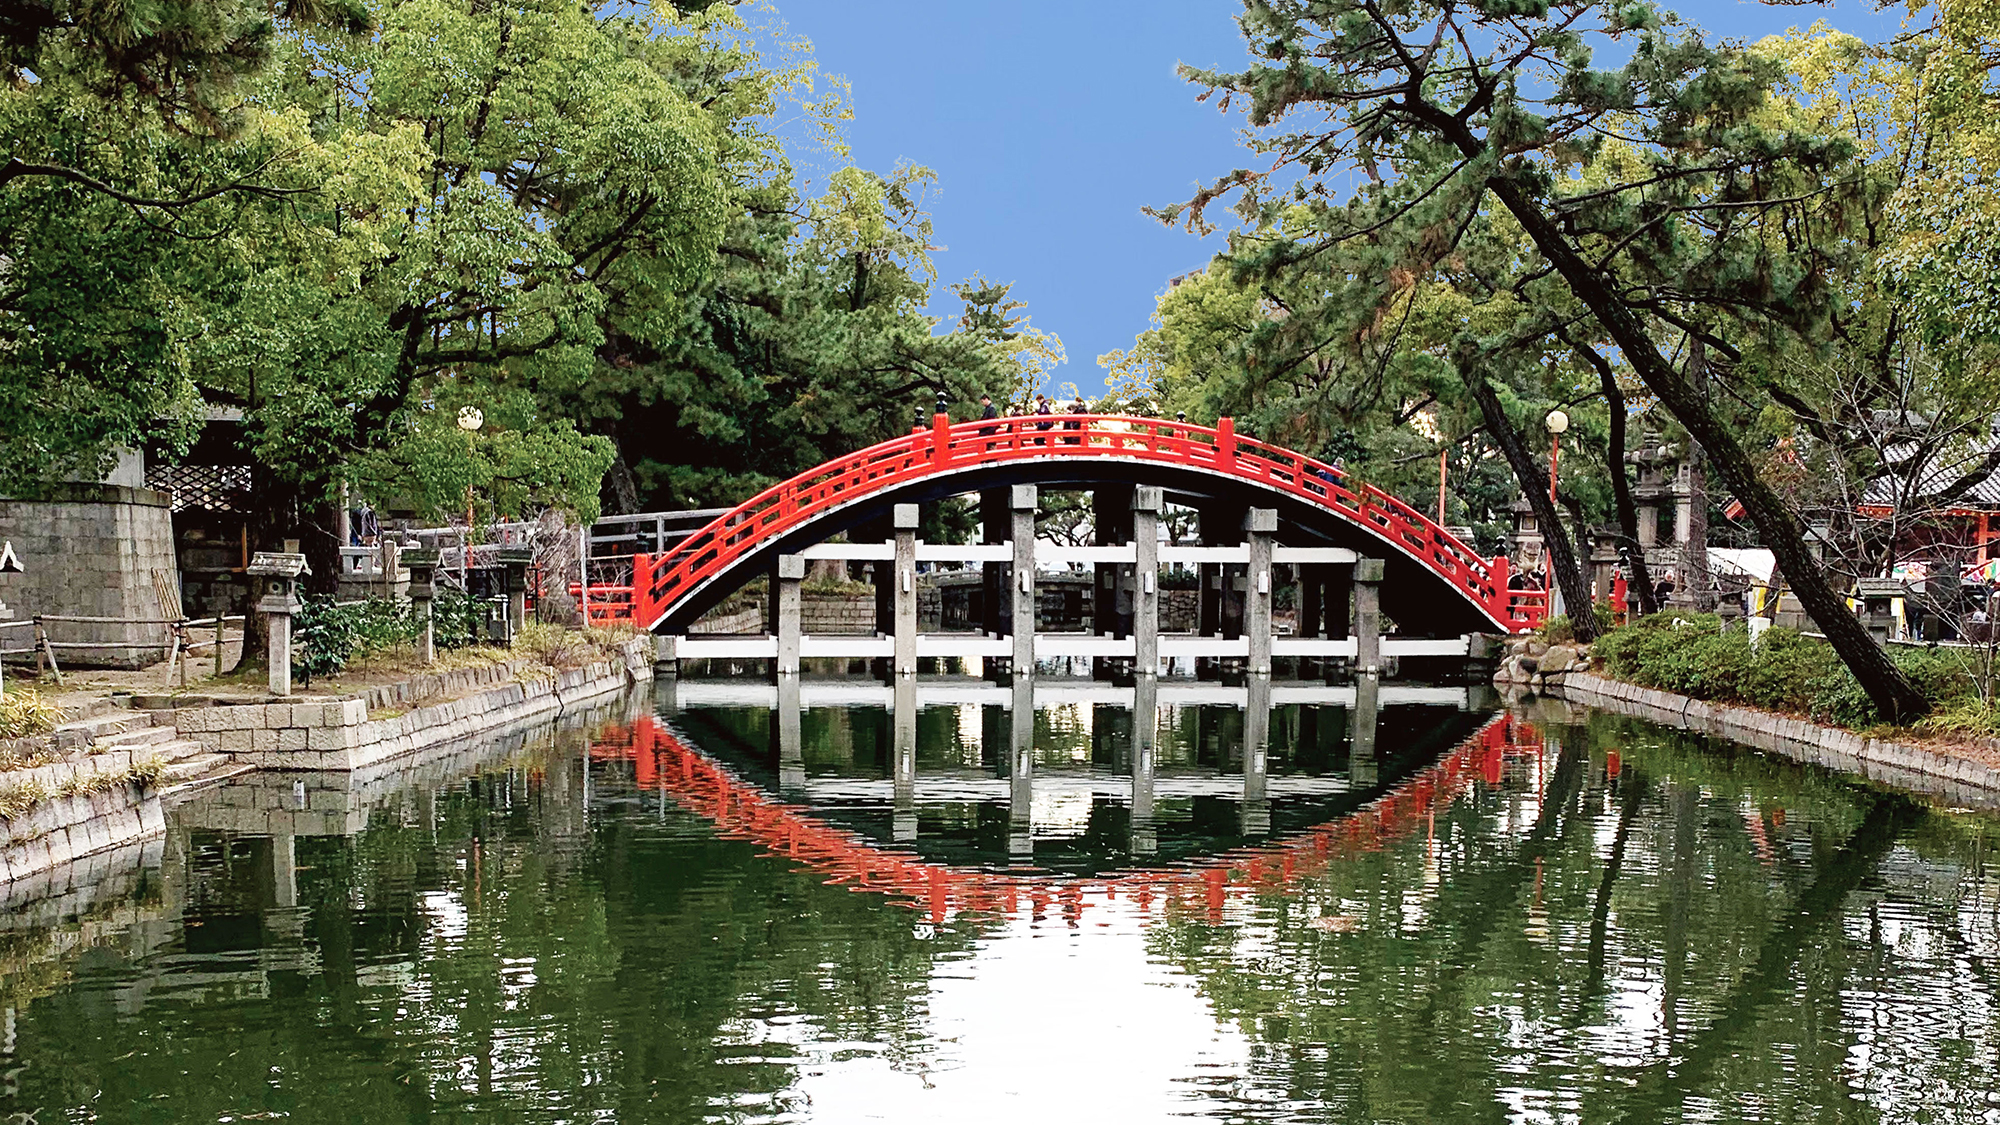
(337,734)
(326,735)
(1899,764)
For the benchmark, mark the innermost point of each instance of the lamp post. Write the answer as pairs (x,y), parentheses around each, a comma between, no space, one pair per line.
(1557,422)
(470,418)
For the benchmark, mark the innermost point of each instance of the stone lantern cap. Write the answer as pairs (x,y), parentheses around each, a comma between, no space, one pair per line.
(277,564)
(280,572)
(422,563)
(1880,588)
(514,556)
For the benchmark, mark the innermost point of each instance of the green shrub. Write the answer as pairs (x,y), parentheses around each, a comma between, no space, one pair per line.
(1688,653)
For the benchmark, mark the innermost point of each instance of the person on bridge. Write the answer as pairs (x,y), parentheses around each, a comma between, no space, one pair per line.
(1077,407)
(1043,410)
(987,413)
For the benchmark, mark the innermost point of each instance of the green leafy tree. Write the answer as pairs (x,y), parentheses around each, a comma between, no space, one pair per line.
(1661,197)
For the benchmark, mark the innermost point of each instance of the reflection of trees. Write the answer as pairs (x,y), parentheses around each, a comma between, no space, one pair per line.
(1705,934)
(494,957)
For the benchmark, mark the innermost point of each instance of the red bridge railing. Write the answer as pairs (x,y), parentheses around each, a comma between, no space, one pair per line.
(659,584)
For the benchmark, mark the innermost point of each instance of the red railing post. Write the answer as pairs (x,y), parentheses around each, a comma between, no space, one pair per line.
(1225,444)
(642,590)
(940,439)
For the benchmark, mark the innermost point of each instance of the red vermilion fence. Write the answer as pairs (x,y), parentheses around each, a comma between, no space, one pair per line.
(740,810)
(659,585)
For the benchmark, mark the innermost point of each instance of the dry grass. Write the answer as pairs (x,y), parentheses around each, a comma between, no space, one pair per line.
(19,798)
(24,712)
(560,648)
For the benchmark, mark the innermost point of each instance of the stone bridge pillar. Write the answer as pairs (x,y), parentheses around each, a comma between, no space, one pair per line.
(1025,499)
(1260,525)
(1111,517)
(1146,505)
(904,578)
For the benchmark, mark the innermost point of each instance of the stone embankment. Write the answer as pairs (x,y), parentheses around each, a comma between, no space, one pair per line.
(1566,671)
(98,782)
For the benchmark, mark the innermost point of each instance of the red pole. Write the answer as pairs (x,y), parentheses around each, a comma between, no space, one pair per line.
(1548,570)
(1441,466)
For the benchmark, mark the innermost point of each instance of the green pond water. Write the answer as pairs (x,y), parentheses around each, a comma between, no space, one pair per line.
(929,910)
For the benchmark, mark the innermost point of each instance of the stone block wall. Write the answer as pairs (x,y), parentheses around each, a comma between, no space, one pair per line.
(90,550)
(338,734)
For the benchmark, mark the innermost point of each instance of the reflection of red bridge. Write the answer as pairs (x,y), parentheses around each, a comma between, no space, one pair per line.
(741,810)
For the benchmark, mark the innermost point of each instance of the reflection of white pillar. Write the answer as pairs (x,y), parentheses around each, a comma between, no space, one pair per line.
(905,599)
(791,745)
(1261,526)
(1146,505)
(1021,770)
(1256,757)
(284,871)
(1145,742)
(905,819)
(1361,770)
(1025,498)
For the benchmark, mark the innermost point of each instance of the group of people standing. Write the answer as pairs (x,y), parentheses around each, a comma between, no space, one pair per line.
(1042,407)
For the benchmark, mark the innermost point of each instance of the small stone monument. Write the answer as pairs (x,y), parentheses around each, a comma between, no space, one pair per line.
(422,564)
(515,561)
(280,574)
(1878,613)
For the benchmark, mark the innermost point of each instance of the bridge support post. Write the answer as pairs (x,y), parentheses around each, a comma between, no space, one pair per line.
(1021,763)
(1023,500)
(905,578)
(1368,617)
(1261,525)
(1111,593)
(788,608)
(1145,738)
(995,606)
(1146,505)
(791,746)
(1312,604)
(1256,755)
(904,822)
(1361,768)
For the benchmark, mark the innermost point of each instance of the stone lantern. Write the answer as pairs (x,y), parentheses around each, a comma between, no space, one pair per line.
(1877,598)
(514,561)
(422,563)
(279,573)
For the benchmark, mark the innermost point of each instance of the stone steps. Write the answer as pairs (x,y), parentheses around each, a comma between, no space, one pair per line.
(198,769)
(103,726)
(134,739)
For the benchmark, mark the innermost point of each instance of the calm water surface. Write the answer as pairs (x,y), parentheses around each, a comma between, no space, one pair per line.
(950,906)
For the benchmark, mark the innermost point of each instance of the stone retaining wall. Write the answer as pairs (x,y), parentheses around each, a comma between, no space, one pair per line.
(1899,764)
(61,829)
(337,734)
(91,550)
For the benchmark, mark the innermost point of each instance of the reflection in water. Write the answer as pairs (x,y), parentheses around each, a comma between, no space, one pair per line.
(1075,778)
(1012,906)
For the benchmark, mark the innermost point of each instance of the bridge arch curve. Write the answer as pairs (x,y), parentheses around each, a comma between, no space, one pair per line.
(1434,583)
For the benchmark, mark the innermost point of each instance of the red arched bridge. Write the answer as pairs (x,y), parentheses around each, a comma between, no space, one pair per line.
(1434,583)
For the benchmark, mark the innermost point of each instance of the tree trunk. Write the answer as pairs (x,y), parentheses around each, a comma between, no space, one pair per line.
(1894,697)
(1528,470)
(1700,586)
(1621,488)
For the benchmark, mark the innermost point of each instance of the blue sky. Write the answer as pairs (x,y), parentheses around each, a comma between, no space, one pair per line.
(1050,124)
